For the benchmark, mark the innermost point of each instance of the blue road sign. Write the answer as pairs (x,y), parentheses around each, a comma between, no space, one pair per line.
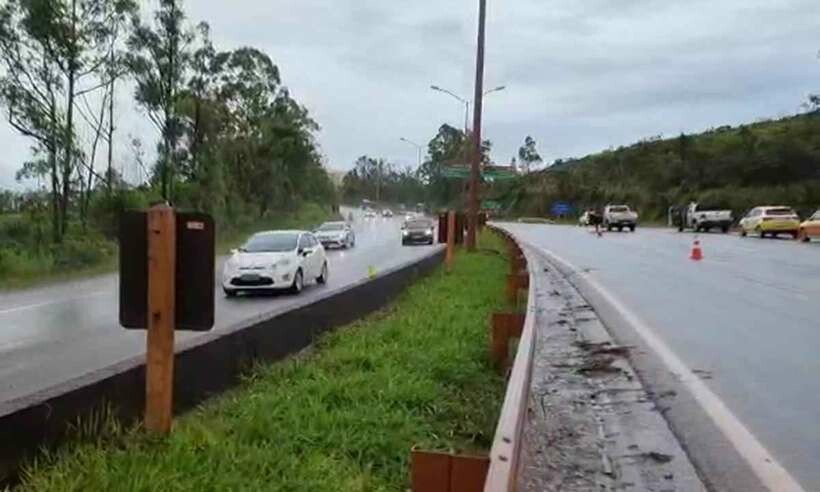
(561,208)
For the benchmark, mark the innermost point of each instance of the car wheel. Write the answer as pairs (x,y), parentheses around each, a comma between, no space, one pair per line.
(632,228)
(724,229)
(229,292)
(742,232)
(298,282)
(794,234)
(761,233)
(322,279)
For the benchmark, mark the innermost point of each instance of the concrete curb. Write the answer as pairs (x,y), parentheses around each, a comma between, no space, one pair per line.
(203,366)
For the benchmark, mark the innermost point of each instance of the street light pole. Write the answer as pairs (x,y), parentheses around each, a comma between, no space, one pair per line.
(460,99)
(414,144)
(472,219)
(466,102)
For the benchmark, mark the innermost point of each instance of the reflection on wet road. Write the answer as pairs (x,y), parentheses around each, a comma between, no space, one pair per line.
(51,334)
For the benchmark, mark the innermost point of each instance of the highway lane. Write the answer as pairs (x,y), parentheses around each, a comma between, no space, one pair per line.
(749,314)
(51,334)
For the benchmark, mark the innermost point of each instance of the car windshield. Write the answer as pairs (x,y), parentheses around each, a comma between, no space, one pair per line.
(418,224)
(816,215)
(619,208)
(780,211)
(271,242)
(332,226)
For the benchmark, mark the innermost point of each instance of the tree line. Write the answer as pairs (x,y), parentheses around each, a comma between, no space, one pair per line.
(376,179)
(773,162)
(232,140)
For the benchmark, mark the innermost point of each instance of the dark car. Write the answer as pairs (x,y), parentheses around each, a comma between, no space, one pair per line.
(417,230)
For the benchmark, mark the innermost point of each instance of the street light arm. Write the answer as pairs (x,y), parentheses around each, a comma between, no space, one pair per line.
(497,89)
(411,142)
(439,89)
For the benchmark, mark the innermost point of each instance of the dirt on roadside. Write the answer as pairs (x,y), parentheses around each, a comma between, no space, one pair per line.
(590,423)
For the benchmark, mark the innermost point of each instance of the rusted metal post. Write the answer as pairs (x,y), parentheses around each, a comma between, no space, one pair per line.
(517,264)
(451,239)
(432,471)
(159,358)
(516,281)
(503,327)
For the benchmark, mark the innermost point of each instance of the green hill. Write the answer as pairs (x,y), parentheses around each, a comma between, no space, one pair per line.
(769,162)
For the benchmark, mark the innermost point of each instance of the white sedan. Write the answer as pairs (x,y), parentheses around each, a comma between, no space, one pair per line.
(274,260)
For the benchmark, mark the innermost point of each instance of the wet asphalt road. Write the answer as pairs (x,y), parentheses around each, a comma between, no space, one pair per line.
(51,334)
(749,314)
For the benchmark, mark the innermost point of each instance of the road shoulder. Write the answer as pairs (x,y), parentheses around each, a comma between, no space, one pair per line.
(591,424)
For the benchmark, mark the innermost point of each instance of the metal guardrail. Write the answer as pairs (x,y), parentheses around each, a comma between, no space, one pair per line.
(506,448)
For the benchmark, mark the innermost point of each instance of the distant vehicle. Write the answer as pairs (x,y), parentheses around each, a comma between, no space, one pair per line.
(584,219)
(810,227)
(770,221)
(387,213)
(417,230)
(620,217)
(700,218)
(336,234)
(275,260)
(369,213)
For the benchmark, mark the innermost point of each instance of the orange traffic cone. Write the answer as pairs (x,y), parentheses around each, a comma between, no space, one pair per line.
(696,253)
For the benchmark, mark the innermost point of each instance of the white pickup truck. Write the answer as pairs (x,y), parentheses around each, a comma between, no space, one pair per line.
(701,218)
(620,216)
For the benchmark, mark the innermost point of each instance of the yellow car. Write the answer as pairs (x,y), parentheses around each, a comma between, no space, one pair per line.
(810,227)
(765,221)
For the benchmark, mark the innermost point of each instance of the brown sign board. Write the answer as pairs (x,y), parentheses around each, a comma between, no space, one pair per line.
(195,271)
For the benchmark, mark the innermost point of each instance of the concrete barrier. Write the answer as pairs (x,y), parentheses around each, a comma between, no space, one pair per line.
(204,366)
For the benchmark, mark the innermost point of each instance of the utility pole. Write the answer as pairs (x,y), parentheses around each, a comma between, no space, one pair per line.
(472,215)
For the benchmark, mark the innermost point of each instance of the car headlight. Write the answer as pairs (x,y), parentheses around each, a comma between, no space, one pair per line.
(429,231)
(404,232)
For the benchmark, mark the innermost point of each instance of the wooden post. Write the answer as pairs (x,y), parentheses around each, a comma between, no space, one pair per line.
(159,358)
(451,239)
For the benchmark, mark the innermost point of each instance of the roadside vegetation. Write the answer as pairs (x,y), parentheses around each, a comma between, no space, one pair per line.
(767,163)
(231,140)
(341,416)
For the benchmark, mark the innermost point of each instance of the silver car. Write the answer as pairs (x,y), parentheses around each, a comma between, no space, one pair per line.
(336,235)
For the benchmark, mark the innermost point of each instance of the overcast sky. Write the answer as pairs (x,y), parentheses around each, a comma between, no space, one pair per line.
(581,75)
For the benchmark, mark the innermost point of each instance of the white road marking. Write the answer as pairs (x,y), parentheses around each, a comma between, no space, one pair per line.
(48,303)
(773,475)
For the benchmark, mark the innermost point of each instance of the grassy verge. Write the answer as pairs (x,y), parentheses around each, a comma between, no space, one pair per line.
(340,417)
(26,269)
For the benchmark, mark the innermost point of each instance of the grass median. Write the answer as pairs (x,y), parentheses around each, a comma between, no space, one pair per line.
(341,416)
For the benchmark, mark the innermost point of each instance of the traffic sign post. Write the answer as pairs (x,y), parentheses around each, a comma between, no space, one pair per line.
(159,356)
(166,284)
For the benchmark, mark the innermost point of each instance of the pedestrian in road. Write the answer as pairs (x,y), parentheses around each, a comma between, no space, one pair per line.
(596,220)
